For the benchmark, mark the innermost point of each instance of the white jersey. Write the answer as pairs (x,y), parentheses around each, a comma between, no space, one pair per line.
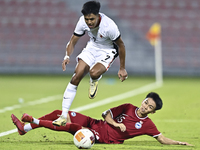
(101,37)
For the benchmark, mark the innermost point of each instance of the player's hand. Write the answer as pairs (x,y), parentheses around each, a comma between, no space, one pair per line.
(121,126)
(122,74)
(185,143)
(64,63)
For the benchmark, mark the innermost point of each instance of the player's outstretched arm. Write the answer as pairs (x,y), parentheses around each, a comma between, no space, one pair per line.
(69,50)
(122,74)
(164,140)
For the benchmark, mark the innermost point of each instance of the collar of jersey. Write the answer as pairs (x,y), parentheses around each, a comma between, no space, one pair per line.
(138,116)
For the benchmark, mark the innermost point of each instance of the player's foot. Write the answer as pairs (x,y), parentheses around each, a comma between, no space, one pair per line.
(61,121)
(18,124)
(27,118)
(93,89)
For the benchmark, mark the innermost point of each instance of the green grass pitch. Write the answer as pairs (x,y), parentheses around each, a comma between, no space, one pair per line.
(178,119)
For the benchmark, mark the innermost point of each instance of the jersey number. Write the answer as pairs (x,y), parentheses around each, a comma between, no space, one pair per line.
(121,118)
(107,57)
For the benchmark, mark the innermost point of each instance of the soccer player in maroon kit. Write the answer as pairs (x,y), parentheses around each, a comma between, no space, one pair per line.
(120,123)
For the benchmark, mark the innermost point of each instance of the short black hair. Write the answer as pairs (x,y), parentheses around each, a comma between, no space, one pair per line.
(91,7)
(156,99)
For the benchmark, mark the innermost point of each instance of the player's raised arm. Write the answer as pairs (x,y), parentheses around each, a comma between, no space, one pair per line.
(164,140)
(69,50)
(122,74)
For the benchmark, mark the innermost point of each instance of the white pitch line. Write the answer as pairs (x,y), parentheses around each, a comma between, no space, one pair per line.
(39,101)
(8,132)
(88,106)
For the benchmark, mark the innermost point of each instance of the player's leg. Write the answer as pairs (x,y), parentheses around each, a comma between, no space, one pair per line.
(69,127)
(95,75)
(24,128)
(81,70)
(84,121)
(51,116)
(96,126)
(103,61)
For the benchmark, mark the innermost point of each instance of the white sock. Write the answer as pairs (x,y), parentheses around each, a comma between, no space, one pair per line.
(27,127)
(68,98)
(36,121)
(91,80)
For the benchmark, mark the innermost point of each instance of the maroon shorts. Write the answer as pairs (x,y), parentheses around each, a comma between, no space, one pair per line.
(96,126)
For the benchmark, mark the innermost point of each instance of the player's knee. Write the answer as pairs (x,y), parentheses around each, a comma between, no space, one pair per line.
(76,79)
(94,74)
(57,112)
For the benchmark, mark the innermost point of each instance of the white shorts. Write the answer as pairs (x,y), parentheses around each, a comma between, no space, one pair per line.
(92,56)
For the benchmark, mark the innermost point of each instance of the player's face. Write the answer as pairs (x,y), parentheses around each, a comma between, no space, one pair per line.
(148,106)
(92,20)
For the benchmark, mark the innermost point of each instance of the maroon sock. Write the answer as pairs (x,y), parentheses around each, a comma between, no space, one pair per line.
(70,127)
(51,116)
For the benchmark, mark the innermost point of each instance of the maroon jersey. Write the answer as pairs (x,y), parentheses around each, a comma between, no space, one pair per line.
(106,133)
(135,125)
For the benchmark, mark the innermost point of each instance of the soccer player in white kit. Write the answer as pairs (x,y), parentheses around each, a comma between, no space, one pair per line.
(104,46)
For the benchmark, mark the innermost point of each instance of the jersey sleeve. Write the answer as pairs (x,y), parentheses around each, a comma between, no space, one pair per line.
(152,130)
(114,32)
(80,27)
(116,111)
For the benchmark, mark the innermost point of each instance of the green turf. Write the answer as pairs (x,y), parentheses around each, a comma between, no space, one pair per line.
(179,119)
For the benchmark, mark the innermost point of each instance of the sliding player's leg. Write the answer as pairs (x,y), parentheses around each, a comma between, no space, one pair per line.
(24,128)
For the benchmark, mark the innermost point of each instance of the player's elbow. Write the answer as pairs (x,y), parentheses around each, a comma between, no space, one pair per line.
(103,115)
(164,141)
(161,139)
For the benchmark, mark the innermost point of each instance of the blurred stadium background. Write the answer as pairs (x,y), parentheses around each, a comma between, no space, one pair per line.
(34,33)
